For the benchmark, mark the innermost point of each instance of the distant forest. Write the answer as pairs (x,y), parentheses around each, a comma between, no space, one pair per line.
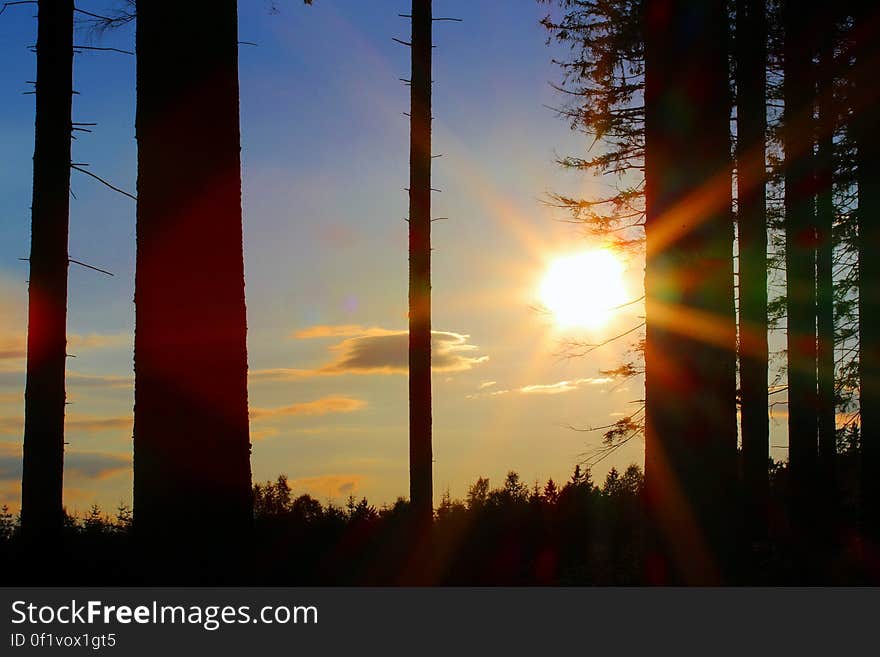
(741,146)
(571,533)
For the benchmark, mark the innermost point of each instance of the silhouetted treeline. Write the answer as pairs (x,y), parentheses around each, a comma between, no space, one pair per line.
(568,533)
(652,81)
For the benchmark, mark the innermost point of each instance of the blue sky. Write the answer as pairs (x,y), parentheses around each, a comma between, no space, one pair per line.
(324,161)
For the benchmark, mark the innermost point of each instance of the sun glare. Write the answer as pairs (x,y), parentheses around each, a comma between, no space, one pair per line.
(582,290)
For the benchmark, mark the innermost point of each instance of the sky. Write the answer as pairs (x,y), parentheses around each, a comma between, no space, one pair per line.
(324,164)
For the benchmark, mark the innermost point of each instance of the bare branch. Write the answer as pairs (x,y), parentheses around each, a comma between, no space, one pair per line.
(124,52)
(21,2)
(104,182)
(87,266)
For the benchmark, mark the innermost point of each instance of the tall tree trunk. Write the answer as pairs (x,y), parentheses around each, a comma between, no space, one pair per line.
(42,514)
(420,458)
(751,62)
(192,477)
(866,119)
(800,257)
(826,123)
(690,354)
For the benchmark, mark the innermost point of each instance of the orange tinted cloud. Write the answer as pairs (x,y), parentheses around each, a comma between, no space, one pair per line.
(14,345)
(263,433)
(333,485)
(277,374)
(323,406)
(15,378)
(330,331)
(11,424)
(10,495)
(87,423)
(91,423)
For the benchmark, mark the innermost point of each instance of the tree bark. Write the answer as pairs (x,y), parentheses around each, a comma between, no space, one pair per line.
(420,454)
(826,124)
(690,353)
(42,512)
(192,477)
(751,62)
(800,258)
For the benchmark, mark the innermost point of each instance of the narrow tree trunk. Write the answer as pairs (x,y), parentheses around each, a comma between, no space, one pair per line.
(420,458)
(824,264)
(42,513)
(751,62)
(690,353)
(800,258)
(192,478)
(866,119)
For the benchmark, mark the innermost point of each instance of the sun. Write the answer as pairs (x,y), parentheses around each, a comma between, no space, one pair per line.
(583,290)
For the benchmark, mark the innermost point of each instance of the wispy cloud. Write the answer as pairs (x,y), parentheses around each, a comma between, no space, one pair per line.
(11,425)
(76,379)
(14,378)
(385,351)
(332,485)
(561,386)
(94,424)
(98,341)
(488,393)
(10,461)
(14,424)
(11,397)
(556,388)
(277,374)
(14,345)
(77,465)
(260,434)
(323,406)
(95,465)
(10,494)
(331,331)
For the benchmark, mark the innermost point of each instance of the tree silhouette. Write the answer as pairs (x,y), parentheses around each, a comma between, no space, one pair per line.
(191,436)
(604,79)
(690,340)
(42,470)
(420,453)
(798,133)
(864,128)
(751,65)
(826,126)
